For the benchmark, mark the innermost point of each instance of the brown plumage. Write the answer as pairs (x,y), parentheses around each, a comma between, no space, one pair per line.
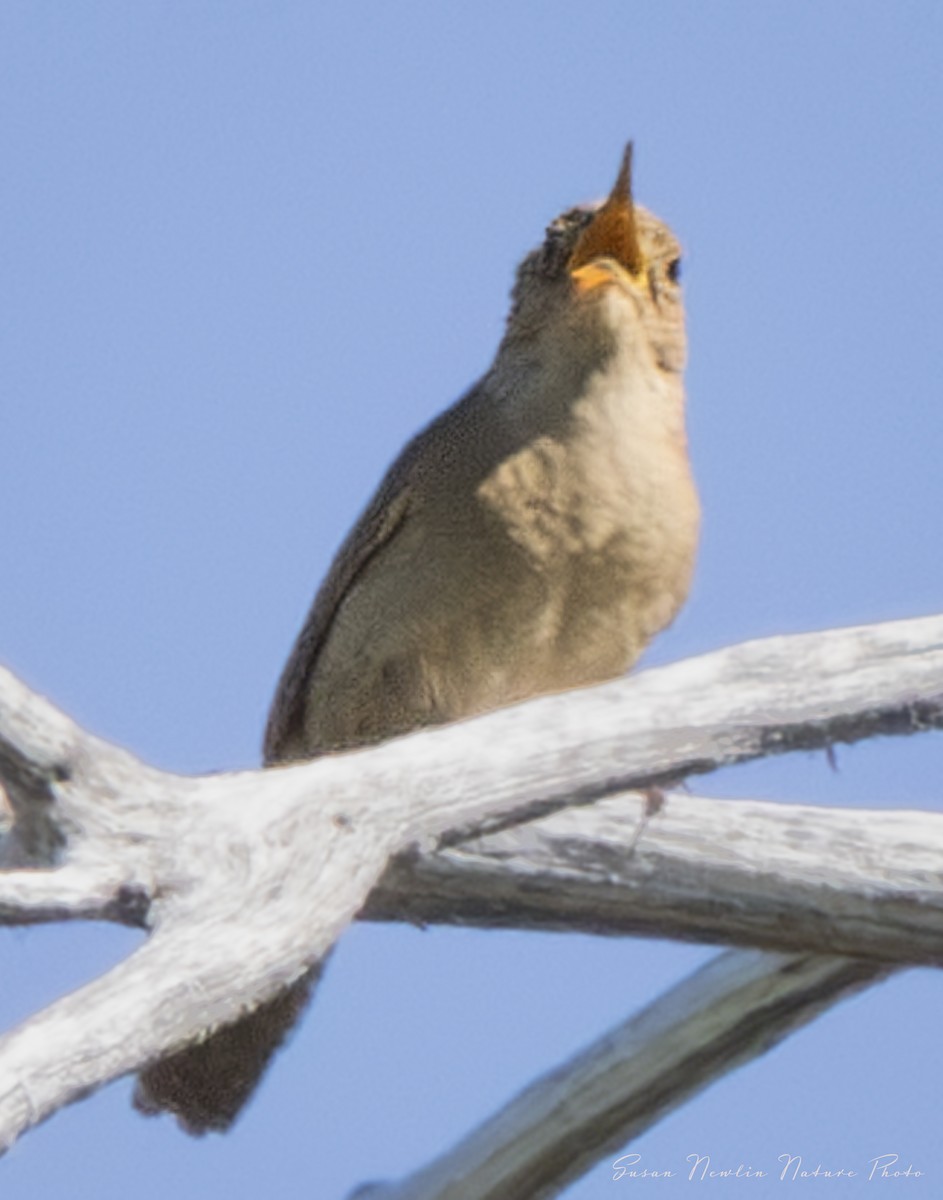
(533,538)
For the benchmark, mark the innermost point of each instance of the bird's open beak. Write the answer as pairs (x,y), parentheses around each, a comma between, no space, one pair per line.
(611,234)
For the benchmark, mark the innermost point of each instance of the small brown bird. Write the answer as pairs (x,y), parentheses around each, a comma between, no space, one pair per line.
(533,538)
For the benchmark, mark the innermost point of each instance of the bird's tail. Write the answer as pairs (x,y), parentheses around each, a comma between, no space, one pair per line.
(207,1084)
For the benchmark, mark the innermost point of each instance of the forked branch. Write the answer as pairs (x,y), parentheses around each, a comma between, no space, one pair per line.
(247,879)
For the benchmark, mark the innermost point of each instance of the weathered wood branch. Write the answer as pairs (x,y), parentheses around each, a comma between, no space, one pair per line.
(248,879)
(735,1008)
(788,877)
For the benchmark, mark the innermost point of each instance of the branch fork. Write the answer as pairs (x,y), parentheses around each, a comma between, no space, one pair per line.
(528,817)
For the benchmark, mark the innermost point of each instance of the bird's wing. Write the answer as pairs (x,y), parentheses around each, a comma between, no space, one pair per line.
(382,518)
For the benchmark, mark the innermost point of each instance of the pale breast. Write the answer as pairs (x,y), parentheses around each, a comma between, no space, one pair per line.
(607,517)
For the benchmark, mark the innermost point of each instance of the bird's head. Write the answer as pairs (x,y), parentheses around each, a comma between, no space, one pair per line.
(610,267)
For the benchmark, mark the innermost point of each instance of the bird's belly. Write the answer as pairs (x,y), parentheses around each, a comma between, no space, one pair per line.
(549,577)
(587,560)
(545,631)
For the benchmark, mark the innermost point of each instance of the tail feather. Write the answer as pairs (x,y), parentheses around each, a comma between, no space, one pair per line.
(207,1084)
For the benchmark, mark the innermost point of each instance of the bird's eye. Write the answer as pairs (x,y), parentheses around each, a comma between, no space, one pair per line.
(674,270)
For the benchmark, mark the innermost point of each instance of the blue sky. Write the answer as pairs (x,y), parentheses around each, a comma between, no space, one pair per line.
(248,249)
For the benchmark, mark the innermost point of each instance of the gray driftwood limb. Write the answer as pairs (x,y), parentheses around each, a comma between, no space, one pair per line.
(245,880)
(732,1010)
(786,877)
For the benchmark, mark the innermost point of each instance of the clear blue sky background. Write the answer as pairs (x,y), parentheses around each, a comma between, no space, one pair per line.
(247,249)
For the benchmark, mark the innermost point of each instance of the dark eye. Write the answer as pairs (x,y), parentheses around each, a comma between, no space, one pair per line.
(674,270)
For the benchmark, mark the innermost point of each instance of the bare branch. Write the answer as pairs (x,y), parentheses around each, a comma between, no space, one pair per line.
(786,877)
(249,878)
(70,893)
(732,1010)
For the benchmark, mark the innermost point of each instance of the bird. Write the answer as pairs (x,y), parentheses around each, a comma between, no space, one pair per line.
(532,539)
